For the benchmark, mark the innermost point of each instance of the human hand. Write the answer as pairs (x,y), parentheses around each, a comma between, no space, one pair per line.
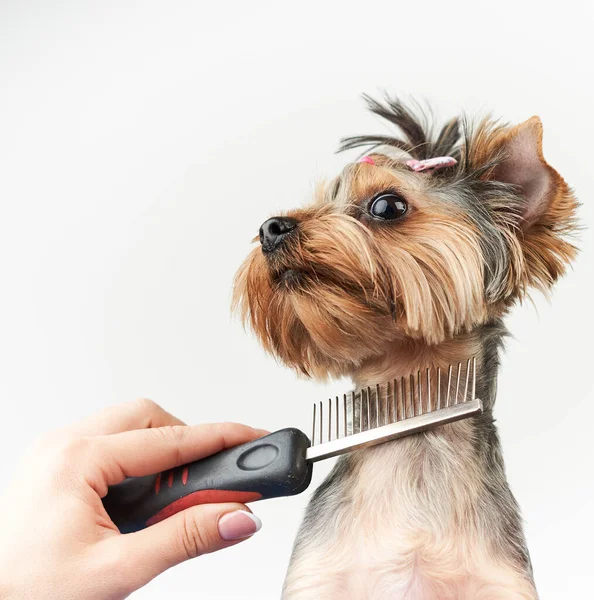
(57,539)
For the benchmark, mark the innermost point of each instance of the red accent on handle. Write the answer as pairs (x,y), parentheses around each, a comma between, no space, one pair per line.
(158,483)
(202,497)
(185,475)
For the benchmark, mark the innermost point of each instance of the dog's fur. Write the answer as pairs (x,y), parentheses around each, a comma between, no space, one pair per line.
(430,516)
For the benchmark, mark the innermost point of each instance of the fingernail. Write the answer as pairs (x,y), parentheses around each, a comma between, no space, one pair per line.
(237,525)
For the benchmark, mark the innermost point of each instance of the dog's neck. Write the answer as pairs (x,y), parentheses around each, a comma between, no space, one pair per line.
(407,357)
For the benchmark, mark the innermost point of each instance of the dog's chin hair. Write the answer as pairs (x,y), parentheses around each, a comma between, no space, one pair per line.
(423,290)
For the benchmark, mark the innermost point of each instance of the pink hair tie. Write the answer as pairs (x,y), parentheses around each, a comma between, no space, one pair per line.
(431,164)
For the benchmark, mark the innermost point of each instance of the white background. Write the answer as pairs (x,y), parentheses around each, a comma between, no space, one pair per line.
(141,146)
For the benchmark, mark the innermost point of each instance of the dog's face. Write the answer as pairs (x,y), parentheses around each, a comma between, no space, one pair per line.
(386,253)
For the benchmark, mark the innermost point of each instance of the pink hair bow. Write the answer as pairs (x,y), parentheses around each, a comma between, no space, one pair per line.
(429,164)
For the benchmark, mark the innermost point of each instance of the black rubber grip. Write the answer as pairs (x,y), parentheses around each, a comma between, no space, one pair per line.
(268,467)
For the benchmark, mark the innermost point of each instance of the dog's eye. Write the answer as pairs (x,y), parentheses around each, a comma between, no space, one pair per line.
(388,207)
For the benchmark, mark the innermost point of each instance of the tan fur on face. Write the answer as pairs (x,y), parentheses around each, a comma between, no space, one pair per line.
(421,278)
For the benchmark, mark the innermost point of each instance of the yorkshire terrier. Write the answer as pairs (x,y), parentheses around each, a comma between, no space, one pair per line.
(409,259)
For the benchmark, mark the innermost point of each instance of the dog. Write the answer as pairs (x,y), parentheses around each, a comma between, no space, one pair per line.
(411,258)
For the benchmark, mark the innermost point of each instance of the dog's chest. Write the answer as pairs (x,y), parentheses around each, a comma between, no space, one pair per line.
(410,529)
(407,501)
(404,521)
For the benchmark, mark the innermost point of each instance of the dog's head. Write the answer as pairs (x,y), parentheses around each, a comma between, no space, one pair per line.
(395,248)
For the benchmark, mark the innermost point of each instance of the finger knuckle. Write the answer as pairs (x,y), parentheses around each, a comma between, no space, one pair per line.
(174,434)
(61,463)
(73,448)
(65,457)
(146,405)
(194,538)
(174,437)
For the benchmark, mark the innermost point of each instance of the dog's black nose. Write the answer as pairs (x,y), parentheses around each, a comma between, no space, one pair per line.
(274,230)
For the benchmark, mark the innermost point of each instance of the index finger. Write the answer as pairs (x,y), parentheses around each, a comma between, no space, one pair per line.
(149,451)
(139,414)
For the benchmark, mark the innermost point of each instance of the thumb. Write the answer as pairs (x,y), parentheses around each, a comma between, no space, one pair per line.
(187,534)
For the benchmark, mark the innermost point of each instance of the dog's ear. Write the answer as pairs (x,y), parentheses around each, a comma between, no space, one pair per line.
(523,165)
(546,213)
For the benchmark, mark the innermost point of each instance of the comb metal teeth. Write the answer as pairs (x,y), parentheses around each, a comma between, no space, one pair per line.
(378,413)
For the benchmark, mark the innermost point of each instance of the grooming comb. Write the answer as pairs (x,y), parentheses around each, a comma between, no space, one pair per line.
(280,464)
